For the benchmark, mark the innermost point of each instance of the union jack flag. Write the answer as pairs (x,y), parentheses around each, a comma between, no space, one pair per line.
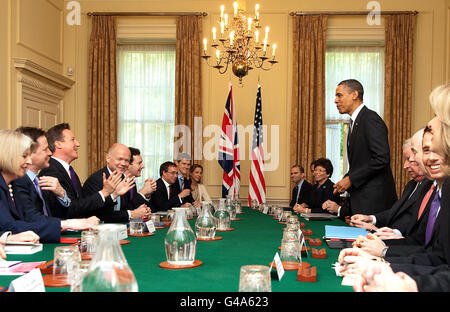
(229,150)
(257,185)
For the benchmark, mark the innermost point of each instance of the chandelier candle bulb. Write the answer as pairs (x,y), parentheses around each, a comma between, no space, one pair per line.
(218,56)
(265,45)
(205,42)
(257,36)
(231,38)
(274,46)
(267,33)
(222,8)
(249,24)
(226,19)
(235,6)
(222,27)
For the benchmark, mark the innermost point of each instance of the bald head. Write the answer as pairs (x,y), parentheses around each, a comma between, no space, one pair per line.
(416,150)
(118,157)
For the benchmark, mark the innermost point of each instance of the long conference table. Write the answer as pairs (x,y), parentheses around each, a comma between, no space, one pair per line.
(255,240)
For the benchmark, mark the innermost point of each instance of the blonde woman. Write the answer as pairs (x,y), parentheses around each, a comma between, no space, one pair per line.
(198,190)
(14,159)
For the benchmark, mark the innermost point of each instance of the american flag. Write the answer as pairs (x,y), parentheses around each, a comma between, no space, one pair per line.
(229,150)
(257,185)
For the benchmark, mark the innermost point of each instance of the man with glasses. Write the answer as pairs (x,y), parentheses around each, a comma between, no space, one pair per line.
(168,193)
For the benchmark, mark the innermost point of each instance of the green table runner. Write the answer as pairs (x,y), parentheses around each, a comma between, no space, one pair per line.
(255,240)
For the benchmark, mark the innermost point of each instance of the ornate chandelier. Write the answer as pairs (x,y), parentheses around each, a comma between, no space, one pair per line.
(239,44)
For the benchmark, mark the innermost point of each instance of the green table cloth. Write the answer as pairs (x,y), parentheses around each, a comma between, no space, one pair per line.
(255,240)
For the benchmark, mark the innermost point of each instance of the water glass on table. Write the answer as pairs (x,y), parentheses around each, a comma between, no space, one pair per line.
(255,278)
(136,226)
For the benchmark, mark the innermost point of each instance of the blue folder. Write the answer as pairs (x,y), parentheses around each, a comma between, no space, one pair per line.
(343,232)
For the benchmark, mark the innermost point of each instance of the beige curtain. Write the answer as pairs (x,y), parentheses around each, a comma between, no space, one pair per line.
(398,88)
(187,85)
(102,91)
(307,135)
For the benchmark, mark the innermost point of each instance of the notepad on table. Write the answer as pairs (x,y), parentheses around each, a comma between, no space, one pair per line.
(22,248)
(343,232)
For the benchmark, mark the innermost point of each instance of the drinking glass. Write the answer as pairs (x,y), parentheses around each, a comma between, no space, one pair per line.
(136,226)
(255,278)
(156,218)
(290,250)
(78,276)
(88,242)
(65,260)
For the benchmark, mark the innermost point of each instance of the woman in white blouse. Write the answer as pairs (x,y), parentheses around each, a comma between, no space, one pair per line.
(198,190)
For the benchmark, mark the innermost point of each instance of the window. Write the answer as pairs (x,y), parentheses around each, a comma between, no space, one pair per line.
(365,64)
(146,102)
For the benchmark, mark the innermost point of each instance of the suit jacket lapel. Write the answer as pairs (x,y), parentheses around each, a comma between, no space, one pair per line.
(63,173)
(355,129)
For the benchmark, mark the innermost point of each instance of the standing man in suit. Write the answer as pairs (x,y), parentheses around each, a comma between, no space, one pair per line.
(135,170)
(301,193)
(64,146)
(119,207)
(27,191)
(168,193)
(369,180)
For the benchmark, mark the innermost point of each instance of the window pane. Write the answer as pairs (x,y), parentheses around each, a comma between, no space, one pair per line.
(146,93)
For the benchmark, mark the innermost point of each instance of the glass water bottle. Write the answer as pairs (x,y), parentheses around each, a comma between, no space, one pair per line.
(230,207)
(205,227)
(109,270)
(180,240)
(222,216)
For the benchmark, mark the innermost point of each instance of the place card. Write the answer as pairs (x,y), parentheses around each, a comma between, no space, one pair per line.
(150,226)
(279,266)
(30,282)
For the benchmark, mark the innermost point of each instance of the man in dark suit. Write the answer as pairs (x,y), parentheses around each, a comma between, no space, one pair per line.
(120,206)
(401,218)
(369,180)
(183,162)
(135,170)
(431,246)
(64,146)
(168,193)
(301,193)
(28,197)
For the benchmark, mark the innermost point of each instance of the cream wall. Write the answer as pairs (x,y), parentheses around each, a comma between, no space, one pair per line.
(45,38)
(31,58)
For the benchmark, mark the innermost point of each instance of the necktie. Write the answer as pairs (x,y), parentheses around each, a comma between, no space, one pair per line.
(170,192)
(73,177)
(295,194)
(425,201)
(38,190)
(131,193)
(349,132)
(181,179)
(432,217)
